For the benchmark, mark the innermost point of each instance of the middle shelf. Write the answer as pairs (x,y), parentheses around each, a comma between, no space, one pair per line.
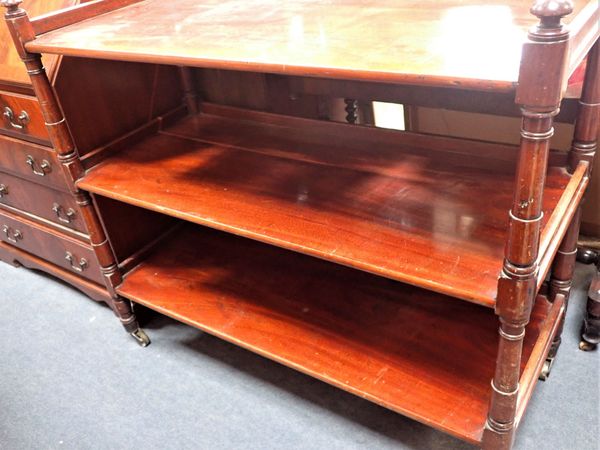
(424,210)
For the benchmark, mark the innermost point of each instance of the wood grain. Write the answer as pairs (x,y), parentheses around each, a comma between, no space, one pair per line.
(14,155)
(50,245)
(409,350)
(35,129)
(374,202)
(12,255)
(12,69)
(42,201)
(425,42)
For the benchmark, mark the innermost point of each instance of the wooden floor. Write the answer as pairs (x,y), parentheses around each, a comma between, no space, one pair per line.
(371,199)
(374,337)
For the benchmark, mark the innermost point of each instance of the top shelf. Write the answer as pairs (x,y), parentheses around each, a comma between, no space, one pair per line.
(457,43)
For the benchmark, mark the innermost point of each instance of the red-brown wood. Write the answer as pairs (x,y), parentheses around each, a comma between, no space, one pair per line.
(17,257)
(32,128)
(436,43)
(56,207)
(391,209)
(31,161)
(413,351)
(54,247)
(12,71)
(541,82)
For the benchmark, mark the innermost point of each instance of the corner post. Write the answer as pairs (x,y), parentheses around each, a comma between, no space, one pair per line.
(584,149)
(541,84)
(22,32)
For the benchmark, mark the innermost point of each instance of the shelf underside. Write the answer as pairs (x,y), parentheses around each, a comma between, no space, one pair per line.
(466,43)
(372,199)
(421,354)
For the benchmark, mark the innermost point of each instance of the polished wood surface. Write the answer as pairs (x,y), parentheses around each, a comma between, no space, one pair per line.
(12,70)
(31,161)
(453,43)
(31,129)
(122,97)
(56,207)
(409,350)
(17,257)
(50,245)
(397,211)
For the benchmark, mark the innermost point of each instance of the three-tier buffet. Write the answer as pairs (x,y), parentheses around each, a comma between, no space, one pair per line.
(425,273)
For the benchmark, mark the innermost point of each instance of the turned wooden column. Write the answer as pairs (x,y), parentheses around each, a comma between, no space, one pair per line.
(584,149)
(190,95)
(351,110)
(539,93)
(22,32)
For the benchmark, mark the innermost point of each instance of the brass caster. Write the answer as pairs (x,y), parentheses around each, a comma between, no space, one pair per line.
(547,367)
(141,337)
(587,346)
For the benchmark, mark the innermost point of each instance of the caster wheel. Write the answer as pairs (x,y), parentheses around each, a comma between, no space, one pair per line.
(587,346)
(546,368)
(141,337)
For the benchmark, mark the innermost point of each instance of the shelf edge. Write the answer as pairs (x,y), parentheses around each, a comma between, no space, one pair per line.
(538,356)
(561,218)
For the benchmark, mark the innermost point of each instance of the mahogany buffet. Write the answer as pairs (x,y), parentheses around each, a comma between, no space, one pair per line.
(198,171)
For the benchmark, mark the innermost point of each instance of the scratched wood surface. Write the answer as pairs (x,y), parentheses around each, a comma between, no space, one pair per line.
(413,351)
(368,198)
(468,43)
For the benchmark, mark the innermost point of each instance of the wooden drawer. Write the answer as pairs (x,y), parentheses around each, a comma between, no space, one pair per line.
(50,245)
(32,161)
(41,201)
(22,117)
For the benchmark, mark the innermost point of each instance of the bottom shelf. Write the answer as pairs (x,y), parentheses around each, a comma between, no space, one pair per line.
(416,352)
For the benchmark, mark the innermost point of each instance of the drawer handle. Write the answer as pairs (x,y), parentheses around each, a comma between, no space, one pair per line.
(44,169)
(63,217)
(76,266)
(13,236)
(3,190)
(22,120)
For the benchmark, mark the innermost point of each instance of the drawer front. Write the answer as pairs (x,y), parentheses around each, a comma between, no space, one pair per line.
(47,244)
(31,161)
(22,117)
(41,201)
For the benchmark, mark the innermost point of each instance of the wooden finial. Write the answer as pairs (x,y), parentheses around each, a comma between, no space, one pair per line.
(550,13)
(12,8)
(12,5)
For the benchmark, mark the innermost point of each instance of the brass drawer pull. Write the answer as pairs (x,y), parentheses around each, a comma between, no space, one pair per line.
(67,217)
(22,120)
(77,267)
(44,169)
(3,190)
(13,236)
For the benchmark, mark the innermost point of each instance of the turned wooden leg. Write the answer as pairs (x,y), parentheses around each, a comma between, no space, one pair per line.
(590,336)
(584,149)
(123,308)
(351,110)
(540,98)
(560,283)
(63,144)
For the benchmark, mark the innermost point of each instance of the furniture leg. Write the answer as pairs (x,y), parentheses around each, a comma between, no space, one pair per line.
(584,148)
(560,283)
(21,30)
(590,336)
(540,98)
